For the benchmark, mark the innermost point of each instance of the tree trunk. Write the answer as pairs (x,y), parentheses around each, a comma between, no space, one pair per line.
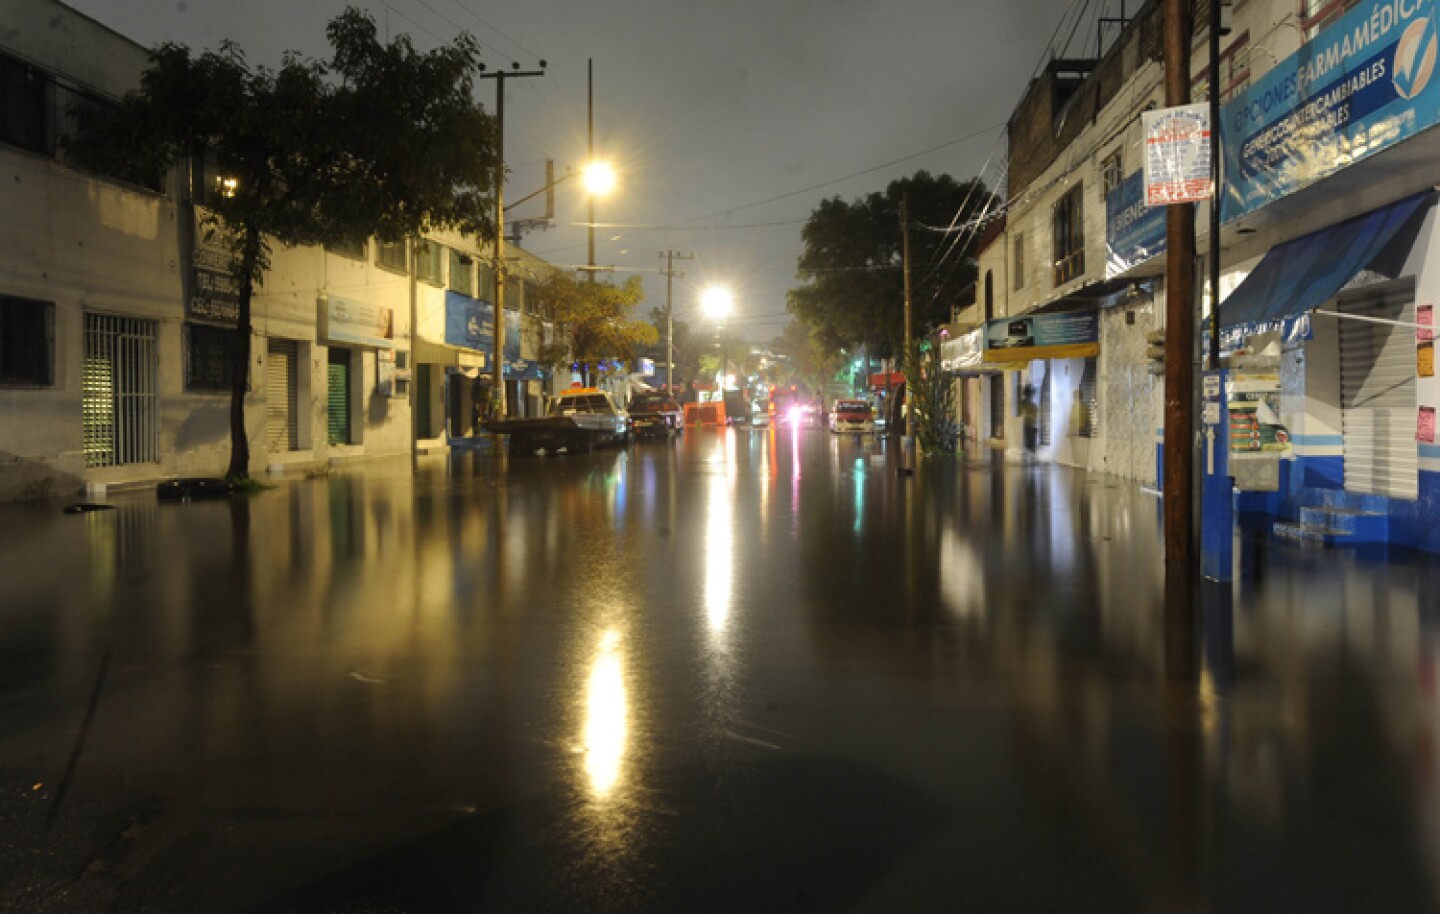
(240,362)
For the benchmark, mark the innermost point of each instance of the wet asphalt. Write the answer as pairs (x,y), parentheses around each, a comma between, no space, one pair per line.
(742,671)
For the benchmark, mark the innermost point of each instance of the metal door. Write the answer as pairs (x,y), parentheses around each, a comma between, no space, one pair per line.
(282,427)
(339,396)
(1377,392)
(119,399)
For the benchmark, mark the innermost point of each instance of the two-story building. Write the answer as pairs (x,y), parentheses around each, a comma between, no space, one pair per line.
(117,310)
(1328,277)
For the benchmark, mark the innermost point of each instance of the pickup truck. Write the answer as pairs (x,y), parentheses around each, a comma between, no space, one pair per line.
(579,419)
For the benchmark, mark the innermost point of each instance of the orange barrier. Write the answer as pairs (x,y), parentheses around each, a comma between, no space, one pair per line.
(704,414)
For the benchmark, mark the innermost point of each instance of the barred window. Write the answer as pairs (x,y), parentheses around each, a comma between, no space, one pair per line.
(1112,171)
(428,260)
(390,255)
(486,291)
(22,105)
(27,342)
(1019,261)
(1089,405)
(353,250)
(462,272)
(208,354)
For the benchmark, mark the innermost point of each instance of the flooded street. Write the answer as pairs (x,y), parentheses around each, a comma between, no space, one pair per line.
(744,671)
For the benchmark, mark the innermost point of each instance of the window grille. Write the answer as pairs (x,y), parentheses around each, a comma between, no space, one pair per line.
(353,250)
(1068,220)
(428,259)
(119,399)
(1089,404)
(209,352)
(462,272)
(390,255)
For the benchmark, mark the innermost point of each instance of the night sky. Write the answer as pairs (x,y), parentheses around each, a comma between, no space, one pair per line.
(728,121)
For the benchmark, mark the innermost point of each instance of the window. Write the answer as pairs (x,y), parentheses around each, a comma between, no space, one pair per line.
(486,290)
(22,105)
(208,355)
(1317,14)
(390,255)
(1112,172)
(353,250)
(512,294)
(27,342)
(1234,71)
(462,272)
(1068,221)
(989,294)
(428,259)
(1019,261)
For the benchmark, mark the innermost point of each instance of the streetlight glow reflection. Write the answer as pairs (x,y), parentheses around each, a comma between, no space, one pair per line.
(606,717)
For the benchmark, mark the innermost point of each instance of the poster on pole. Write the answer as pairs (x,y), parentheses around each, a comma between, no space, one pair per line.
(1177,155)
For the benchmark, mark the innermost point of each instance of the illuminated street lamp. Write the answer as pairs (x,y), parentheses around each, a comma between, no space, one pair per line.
(599,178)
(717,303)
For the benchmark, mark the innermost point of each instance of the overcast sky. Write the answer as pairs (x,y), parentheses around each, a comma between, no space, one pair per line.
(728,121)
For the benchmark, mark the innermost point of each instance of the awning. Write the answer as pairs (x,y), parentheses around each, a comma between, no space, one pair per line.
(1299,276)
(431,353)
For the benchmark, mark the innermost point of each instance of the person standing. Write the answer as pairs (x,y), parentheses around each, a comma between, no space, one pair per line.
(1029,417)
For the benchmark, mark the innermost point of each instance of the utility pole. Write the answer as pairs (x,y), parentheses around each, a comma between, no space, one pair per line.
(914,369)
(498,357)
(1179,312)
(590,152)
(670,274)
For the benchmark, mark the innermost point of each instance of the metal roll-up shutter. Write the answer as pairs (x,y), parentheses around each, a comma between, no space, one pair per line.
(1045,395)
(1377,392)
(339,396)
(282,429)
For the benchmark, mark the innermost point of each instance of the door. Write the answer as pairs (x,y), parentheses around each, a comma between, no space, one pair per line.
(282,429)
(119,396)
(338,387)
(1377,391)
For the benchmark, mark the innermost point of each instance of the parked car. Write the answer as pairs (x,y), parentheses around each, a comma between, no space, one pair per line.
(761,412)
(852,416)
(580,419)
(655,414)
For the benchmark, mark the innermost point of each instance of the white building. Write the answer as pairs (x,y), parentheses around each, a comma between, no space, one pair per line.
(115,309)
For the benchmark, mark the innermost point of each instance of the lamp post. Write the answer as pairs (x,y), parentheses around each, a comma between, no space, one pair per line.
(717,303)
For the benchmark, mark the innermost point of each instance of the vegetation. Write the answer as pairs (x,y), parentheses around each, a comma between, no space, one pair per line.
(852,265)
(383,140)
(593,321)
(932,399)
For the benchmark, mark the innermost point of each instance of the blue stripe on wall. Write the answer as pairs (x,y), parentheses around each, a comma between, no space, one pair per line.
(1318,440)
(1430,450)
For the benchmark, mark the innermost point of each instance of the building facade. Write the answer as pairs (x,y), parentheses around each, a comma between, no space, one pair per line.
(117,310)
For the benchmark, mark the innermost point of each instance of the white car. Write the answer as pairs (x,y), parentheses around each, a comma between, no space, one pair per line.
(852,416)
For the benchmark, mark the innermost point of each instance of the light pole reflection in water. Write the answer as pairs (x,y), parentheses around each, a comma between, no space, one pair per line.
(607,717)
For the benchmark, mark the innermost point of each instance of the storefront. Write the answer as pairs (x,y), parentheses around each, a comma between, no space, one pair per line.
(353,332)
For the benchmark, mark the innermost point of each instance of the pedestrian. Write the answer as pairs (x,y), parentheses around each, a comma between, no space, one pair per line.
(1029,416)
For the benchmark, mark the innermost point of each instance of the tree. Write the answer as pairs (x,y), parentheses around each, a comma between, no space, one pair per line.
(851,267)
(384,141)
(592,320)
(932,398)
(812,362)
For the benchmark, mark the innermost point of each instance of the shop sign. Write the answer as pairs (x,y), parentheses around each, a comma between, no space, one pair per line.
(1177,155)
(213,295)
(1361,85)
(469,323)
(1134,231)
(345,320)
(963,353)
(1069,335)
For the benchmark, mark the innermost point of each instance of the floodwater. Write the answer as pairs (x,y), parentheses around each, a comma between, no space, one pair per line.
(743,671)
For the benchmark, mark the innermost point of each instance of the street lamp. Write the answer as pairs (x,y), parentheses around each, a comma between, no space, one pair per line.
(599,178)
(717,304)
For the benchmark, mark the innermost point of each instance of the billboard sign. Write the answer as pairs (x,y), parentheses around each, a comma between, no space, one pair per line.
(1361,85)
(1177,155)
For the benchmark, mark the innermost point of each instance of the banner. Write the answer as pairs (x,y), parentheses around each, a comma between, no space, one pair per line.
(964,353)
(1134,231)
(1362,85)
(1177,154)
(344,320)
(469,323)
(1069,335)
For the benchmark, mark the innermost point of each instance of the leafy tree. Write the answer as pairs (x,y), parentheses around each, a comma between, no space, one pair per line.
(383,140)
(592,320)
(932,399)
(813,363)
(852,266)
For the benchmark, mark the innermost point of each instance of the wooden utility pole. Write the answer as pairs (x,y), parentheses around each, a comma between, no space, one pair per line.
(1179,313)
(670,274)
(498,356)
(905,255)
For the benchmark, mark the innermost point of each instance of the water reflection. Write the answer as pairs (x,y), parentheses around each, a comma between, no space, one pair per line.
(607,717)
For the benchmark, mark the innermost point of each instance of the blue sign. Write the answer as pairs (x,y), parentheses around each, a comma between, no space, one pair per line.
(469,323)
(1362,85)
(1071,334)
(1134,232)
